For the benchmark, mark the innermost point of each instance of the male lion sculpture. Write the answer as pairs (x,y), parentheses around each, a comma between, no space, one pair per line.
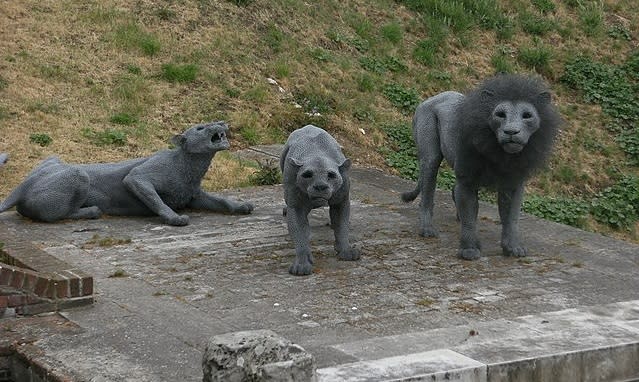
(496,136)
(315,174)
(160,184)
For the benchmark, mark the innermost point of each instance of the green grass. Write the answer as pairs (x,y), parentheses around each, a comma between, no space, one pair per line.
(132,36)
(181,73)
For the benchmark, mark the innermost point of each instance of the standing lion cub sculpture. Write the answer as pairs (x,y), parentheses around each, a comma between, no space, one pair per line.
(315,174)
(495,136)
(160,184)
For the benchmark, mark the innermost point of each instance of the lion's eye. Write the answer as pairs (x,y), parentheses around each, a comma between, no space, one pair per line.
(307,174)
(500,114)
(332,175)
(526,115)
(200,128)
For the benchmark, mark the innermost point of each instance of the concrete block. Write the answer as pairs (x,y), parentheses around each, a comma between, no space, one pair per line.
(259,355)
(435,365)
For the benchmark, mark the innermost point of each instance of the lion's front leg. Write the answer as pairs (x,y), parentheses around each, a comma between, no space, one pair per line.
(340,216)
(300,231)
(210,202)
(467,209)
(144,190)
(509,202)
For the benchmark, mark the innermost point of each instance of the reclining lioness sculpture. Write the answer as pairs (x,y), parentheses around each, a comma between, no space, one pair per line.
(315,174)
(160,184)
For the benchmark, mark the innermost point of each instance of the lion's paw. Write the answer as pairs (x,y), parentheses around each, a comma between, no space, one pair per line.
(519,251)
(428,232)
(469,253)
(301,268)
(178,220)
(351,254)
(244,208)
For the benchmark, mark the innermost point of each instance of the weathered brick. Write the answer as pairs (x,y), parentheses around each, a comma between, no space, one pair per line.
(87,286)
(6,274)
(41,286)
(18,279)
(30,281)
(62,288)
(74,287)
(16,300)
(51,289)
(4,302)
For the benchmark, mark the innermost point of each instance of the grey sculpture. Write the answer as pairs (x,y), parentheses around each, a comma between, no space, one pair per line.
(160,184)
(496,136)
(315,174)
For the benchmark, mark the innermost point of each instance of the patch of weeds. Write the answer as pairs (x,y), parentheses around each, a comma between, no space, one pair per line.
(445,178)
(364,114)
(618,205)
(267,174)
(181,73)
(54,71)
(321,55)
(373,64)
(564,210)
(501,63)
(629,143)
(241,3)
(392,32)
(429,51)
(257,93)
(134,69)
(123,119)
(165,14)
(535,25)
(460,15)
(132,36)
(314,101)
(544,6)
(366,83)
(401,153)
(274,37)
(250,134)
(3,83)
(405,99)
(42,139)
(441,77)
(117,274)
(106,241)
(537,58)
(619,32)
(105,137)
(591,18)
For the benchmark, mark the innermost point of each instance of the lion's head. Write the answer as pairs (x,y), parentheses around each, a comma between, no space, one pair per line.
(510,118)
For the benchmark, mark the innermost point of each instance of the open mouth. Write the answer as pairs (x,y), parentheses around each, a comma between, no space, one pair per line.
(218,137)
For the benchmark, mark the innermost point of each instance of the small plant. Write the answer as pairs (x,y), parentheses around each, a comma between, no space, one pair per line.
(544,6)
(563,210)
(241,3)
(274,37)
(123,119)
(537,58)
(392,32)
(134,69)
(3,83)
(405,99)
(250,135)
(267,174)
(132,36)
(117,274)
(106,137)
(619,32)
(314,101)
(41,139)
(535,25)
(501,63)
(591,17)
(428,51)
(403,154)
(179,73)
(618,205)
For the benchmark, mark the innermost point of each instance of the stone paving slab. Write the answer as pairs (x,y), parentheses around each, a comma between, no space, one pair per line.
(161,291)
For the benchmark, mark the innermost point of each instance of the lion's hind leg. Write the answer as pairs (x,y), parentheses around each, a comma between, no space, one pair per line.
(428,179)
(57,195)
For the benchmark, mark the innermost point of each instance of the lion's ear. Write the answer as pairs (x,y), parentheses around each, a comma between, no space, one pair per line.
(295,162)
(544,98)
(178,140)
(487,94)
(345,166)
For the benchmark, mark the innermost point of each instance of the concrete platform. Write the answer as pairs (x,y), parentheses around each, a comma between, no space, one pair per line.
(408,310)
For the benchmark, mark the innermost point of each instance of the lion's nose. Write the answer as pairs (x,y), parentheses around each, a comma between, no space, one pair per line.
(320,187)
(511,130)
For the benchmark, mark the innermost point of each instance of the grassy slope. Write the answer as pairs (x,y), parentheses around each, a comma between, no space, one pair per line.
(78,72)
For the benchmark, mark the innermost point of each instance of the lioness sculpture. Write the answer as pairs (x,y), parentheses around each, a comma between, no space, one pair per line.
(315,174)
(159,184)
(496,136)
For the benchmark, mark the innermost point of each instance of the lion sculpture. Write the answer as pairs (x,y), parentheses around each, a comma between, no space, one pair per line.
(495,136)
(160,184)
(315,174)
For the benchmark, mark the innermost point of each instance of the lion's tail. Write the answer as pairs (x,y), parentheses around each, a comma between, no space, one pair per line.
(12,199)
(409,196)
